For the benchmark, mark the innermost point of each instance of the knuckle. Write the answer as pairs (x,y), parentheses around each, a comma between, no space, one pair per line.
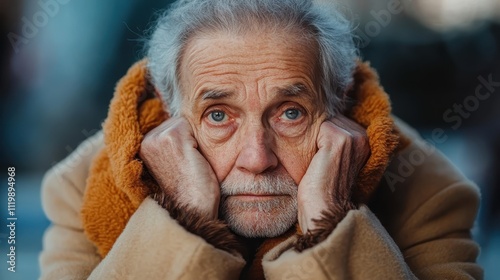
(359,138)
(328,127)
(164,136)
(345,137)
(168,136)
(147,144)
(362,140)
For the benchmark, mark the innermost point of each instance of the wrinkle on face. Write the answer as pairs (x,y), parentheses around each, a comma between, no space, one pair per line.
(244,75)
(264,90)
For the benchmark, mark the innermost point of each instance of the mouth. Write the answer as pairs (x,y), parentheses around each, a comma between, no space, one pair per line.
(256,197)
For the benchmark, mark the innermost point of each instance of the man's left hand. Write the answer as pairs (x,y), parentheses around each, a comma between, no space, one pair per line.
(343,150)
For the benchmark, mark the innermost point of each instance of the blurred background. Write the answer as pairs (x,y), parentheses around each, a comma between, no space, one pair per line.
(60,60)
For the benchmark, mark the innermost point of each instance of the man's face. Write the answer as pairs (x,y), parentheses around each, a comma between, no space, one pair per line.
(253,103)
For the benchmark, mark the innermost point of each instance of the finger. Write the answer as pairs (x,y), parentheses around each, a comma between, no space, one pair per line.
(355,142)
(347,124)
(358,133)
(331,135)
(181,130)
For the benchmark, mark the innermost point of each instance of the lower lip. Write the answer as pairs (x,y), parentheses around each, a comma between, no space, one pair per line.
(249,197)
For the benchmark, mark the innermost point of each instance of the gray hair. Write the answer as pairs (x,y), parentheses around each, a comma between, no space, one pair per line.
(321,20)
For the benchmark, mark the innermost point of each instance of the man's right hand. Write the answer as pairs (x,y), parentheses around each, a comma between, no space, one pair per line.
(171,156)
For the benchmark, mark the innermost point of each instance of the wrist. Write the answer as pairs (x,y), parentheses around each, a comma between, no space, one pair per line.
(206,205)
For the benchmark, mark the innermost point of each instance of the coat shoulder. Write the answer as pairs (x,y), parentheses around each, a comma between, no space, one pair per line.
(64,184)
(421,185)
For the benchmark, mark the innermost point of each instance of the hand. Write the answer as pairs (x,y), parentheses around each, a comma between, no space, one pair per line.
(171,156)
(343,150)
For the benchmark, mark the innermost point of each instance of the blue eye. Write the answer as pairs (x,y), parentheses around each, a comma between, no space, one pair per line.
(292,114)
(217,116)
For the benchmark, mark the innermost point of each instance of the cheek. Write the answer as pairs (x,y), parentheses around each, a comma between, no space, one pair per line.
(220,153)
(296,154)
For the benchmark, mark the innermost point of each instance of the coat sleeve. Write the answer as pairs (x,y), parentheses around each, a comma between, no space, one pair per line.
(417,227)
(152,246)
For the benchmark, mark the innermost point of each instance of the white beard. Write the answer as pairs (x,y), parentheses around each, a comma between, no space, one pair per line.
(265,218)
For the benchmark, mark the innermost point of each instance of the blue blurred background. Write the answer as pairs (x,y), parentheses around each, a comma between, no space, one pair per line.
(60,60)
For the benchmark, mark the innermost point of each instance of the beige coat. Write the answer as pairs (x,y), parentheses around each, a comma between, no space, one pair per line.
(418,227)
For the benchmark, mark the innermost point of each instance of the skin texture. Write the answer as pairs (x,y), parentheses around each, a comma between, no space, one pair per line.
(252,138)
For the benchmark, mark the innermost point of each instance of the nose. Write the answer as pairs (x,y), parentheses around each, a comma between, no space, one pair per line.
(256,155)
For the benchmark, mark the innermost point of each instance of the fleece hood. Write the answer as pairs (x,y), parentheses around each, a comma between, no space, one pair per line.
(118,181)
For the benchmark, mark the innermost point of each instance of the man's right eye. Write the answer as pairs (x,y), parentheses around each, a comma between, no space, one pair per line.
(217,116)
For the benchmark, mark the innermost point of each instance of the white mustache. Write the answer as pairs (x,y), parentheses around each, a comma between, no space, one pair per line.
(268,184)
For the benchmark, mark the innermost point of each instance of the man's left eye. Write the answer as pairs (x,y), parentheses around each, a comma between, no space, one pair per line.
(292,114)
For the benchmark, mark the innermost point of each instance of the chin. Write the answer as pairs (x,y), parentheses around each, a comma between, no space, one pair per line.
(260,219)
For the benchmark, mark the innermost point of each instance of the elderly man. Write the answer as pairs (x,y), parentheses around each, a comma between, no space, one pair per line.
(252,143)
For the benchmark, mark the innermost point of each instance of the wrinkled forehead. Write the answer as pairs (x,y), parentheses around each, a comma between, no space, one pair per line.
(258,61)
(290,49)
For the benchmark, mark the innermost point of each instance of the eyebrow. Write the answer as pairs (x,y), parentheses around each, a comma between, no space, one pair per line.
(295,90)
(214,94)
